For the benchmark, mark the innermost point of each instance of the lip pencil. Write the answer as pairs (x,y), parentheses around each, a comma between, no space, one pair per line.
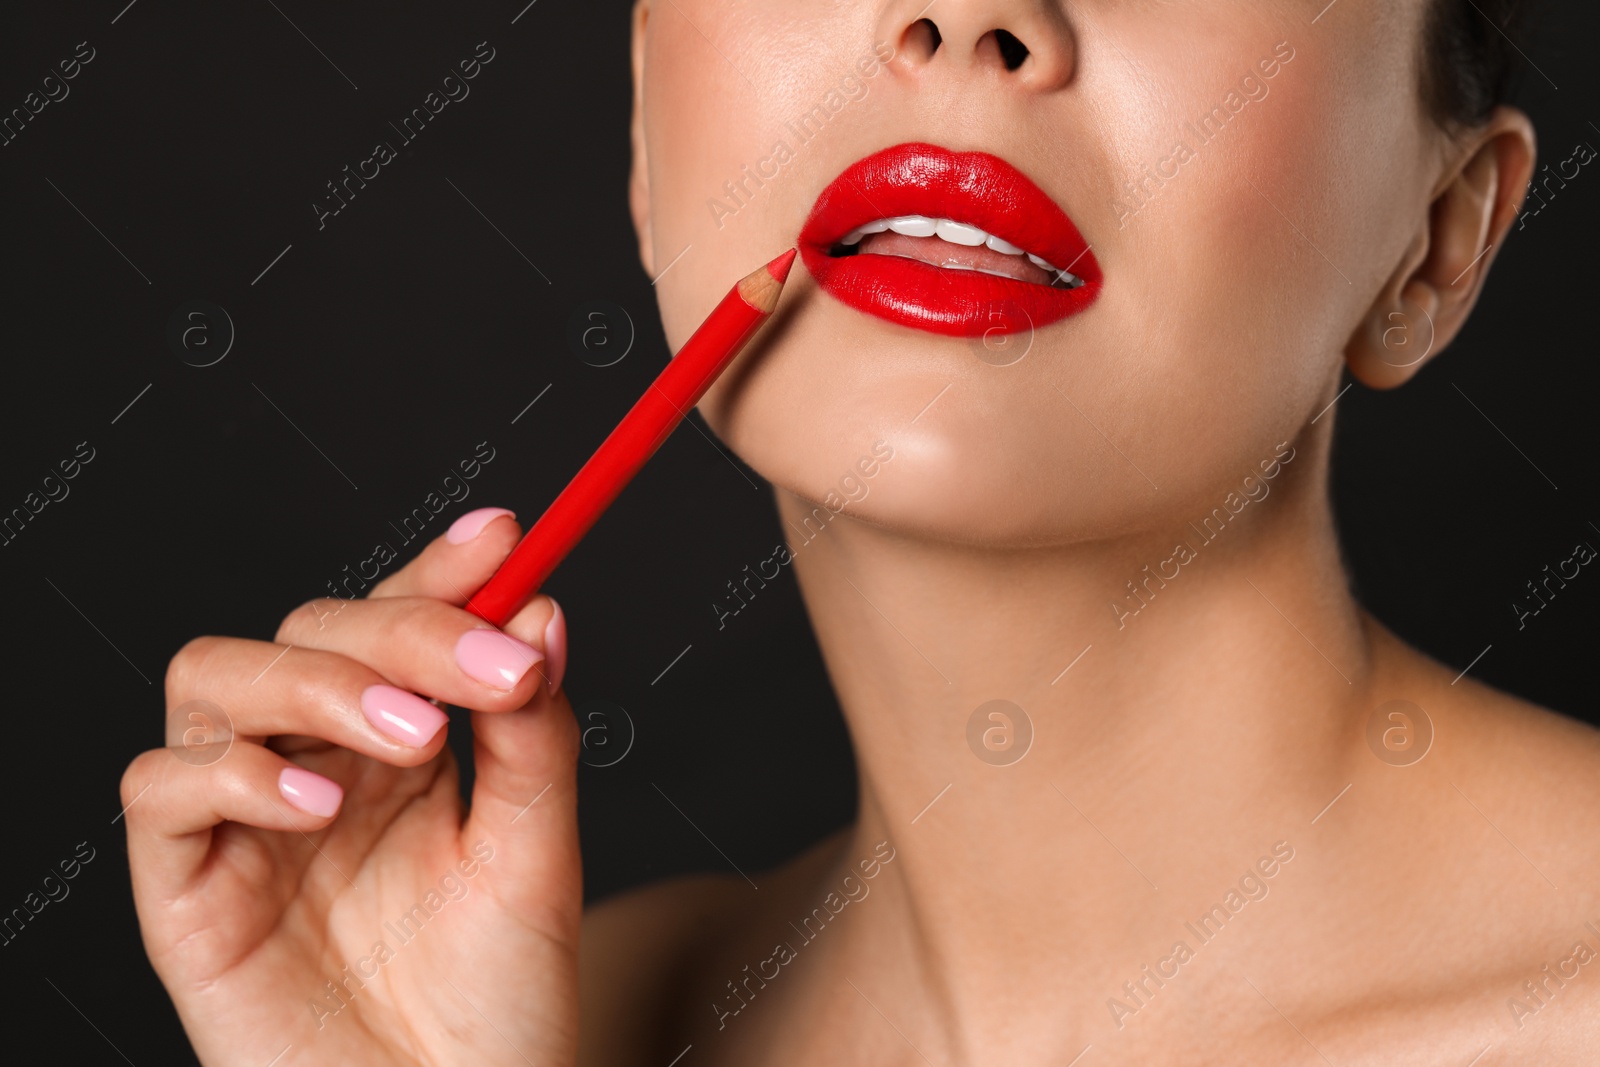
(642,430)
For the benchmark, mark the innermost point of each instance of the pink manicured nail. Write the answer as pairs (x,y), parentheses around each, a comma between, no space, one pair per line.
(555,644)
(309,792)
(497,660)
(404,716)
(472,523)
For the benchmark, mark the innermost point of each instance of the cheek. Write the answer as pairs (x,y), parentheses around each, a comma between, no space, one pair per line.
(1242,271)
(745,109)
(1224,288)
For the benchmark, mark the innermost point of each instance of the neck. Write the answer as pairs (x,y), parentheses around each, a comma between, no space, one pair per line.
(1175,738)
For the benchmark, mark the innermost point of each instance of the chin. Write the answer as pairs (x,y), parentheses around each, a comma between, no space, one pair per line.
(924,441)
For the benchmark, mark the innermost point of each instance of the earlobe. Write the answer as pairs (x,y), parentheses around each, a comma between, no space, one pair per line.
(1426,302)
(639,170)
(1401,330)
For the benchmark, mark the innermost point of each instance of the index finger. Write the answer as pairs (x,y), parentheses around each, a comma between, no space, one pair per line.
(457,563)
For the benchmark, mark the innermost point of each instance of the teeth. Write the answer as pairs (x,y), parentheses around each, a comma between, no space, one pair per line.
(958,233)
(914,225)
(1071,282)
(854,236)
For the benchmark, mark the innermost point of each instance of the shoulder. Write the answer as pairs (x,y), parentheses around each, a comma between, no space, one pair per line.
(1538,767)
(633,947)
(640,947)
(1532,760)
(1506,779)
(1482,854)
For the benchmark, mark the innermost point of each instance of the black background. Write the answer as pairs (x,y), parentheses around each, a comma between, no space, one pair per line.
(408,330)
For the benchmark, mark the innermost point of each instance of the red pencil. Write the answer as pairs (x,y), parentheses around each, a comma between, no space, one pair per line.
(642,430)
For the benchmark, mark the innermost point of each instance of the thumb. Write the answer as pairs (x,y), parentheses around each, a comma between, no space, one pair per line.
(524,795)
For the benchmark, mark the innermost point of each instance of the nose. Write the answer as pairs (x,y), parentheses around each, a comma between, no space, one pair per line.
(1028,44)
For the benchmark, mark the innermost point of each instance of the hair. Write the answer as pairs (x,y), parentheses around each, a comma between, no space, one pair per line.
(1470,54)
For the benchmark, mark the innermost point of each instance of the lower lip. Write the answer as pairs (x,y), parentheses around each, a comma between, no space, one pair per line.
(957,303)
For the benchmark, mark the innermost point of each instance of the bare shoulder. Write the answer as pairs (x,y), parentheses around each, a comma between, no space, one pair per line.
(631,945)
(1532,762)
(1537,762)
(640,948)
(1534,779)
(1496,843)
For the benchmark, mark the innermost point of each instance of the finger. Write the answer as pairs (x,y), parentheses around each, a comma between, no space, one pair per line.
(457,563)
(525,800)
(425,646)
(171,804)
(542,623)
(219,687)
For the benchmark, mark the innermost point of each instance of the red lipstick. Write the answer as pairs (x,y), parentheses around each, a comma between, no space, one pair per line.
(921,236)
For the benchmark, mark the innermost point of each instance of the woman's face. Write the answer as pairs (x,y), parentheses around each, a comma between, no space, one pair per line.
(1248,174)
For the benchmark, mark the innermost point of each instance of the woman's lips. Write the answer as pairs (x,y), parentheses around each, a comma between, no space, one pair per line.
(972,246)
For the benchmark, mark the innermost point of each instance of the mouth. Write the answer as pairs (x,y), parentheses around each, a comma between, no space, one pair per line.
(960,244)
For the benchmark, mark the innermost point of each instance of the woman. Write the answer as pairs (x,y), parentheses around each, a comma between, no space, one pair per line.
(1049,413)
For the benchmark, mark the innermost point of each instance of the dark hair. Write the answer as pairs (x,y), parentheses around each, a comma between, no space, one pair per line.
(1469,56)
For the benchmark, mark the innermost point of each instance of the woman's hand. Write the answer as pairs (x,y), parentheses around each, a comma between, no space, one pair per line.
(315,884)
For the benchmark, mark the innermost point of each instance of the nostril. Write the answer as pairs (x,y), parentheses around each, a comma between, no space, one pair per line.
(1012,50)
(923,39)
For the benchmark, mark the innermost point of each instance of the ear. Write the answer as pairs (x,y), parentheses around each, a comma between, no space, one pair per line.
(639,171)
(1424,304)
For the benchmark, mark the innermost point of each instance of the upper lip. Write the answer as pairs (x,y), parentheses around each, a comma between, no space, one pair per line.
(974,188)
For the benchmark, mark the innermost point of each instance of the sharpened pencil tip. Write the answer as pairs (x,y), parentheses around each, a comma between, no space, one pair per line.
(779,268)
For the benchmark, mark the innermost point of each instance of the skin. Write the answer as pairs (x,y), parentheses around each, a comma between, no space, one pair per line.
(1229,717)
(249,906)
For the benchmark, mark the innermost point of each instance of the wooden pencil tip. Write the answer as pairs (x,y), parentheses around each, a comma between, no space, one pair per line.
(779,268)
(762,286)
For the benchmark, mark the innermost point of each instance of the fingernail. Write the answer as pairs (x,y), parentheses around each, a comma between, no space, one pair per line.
(497,660)
(555,647)
(309,792)
(472,523)
(404,716)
